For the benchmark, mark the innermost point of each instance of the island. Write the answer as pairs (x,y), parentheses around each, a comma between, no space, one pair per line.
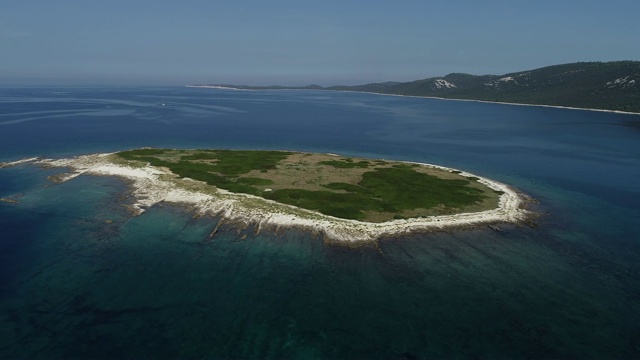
(344,199)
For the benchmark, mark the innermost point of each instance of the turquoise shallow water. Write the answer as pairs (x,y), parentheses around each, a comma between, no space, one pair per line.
(81,278)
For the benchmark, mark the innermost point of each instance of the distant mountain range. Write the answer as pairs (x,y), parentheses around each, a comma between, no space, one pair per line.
(592,85)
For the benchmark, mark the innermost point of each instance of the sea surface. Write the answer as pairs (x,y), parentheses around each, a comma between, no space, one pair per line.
(81,278)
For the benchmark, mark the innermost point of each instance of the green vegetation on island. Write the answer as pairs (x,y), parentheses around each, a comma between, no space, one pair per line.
(590,85)
(349,188)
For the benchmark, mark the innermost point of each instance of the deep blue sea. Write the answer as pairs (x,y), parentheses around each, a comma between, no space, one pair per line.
(81,278)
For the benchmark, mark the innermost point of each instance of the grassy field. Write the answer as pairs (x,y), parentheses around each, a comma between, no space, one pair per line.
(349,188)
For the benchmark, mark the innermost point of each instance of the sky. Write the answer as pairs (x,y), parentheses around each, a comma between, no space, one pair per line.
(286,42)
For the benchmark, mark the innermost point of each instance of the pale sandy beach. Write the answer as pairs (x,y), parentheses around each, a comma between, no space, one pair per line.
(428,97)
(151,185)
(217,87)
(499,102)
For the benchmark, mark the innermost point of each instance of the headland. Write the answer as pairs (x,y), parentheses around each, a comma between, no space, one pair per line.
(595,86)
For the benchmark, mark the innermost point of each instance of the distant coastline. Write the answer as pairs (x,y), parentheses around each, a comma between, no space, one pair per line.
(595,86)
